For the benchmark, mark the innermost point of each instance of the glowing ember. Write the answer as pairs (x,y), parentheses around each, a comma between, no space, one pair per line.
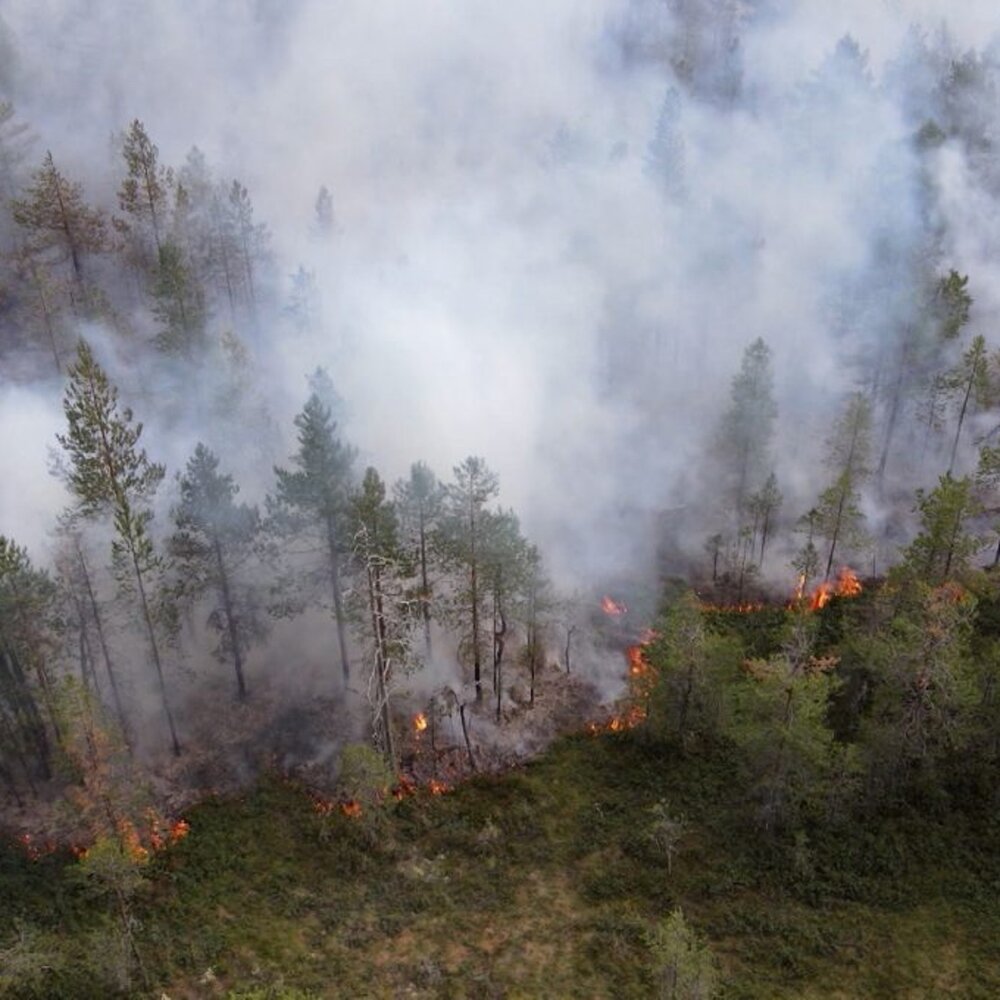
(351,808)
(405,788)
(612,607)
(848,584)
(419,722)
(436,787)
(179,830)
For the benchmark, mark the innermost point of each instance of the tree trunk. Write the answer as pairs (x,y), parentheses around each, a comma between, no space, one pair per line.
(961,420)
(425,592)
(227,603)
(105,654)
(338,600)
(155,650)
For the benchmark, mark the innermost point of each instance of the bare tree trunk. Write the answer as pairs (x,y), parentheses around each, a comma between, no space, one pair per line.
(465,733)
(106,655)
(227,603)
(155,649)
(338,600)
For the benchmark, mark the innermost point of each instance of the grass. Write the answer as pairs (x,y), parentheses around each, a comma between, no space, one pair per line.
(538,883)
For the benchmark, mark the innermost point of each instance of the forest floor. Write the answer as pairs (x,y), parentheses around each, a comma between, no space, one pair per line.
(541,882)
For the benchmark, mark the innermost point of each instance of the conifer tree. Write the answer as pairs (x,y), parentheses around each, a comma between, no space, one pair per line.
(970,385)
(214,537)
(743,440)
(25,597)
(109,473)
(839,518)
(943,547)
(419,500)
(145,190)
(58,224)
(375,544)
(314,497)
(463,538)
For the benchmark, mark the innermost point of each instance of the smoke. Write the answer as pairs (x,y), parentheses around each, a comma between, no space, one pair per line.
(517,268)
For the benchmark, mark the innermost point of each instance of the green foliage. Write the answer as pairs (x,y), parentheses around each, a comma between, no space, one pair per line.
(952,298)
(943,548)
(691,667)
(743,440)
(838,516)
(778,722)
(924,690)
(178,304)
(108,471)
(319,485)
(215,536)
(684,968)
(57,223)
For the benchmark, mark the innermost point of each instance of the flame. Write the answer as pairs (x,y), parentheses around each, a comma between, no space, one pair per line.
(404,788)
(641,678)
(179,830)
(436,787)
(821,596)
(612,607)
(351,808)
(419,722)
(848,584)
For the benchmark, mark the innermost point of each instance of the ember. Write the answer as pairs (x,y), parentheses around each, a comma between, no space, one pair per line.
(436,787)
(419,722)
(351,808)
(612,607)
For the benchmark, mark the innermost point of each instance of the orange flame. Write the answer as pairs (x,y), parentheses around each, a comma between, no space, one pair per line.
(419,722)
(821,596)
(612,607)
(351,808)
(436,787)
(846,585)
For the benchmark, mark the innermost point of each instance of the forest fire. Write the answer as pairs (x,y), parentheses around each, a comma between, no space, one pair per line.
(641,679)
(847,584)
(419,722)
(613,608)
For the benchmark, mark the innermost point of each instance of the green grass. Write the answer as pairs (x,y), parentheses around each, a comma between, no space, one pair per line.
(538,883)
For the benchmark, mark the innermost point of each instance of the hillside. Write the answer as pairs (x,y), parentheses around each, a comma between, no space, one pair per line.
(541,882)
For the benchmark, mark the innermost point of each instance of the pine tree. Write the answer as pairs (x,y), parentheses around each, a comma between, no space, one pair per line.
(374,531)
(420,501)
(26,595)
(743,440)
(314,497)
(109,473)
(179,304)
(463,538)
(943,548)
(145,191)
(215,536)
(970,383)
(58,224)
(839,518)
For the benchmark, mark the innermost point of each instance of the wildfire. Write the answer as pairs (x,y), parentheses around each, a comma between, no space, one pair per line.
(641,678)
(612,607)
(419,722)
(436,787)
(351,808)
(847,584)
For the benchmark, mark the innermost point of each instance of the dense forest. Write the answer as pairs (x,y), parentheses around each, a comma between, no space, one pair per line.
(367,428)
